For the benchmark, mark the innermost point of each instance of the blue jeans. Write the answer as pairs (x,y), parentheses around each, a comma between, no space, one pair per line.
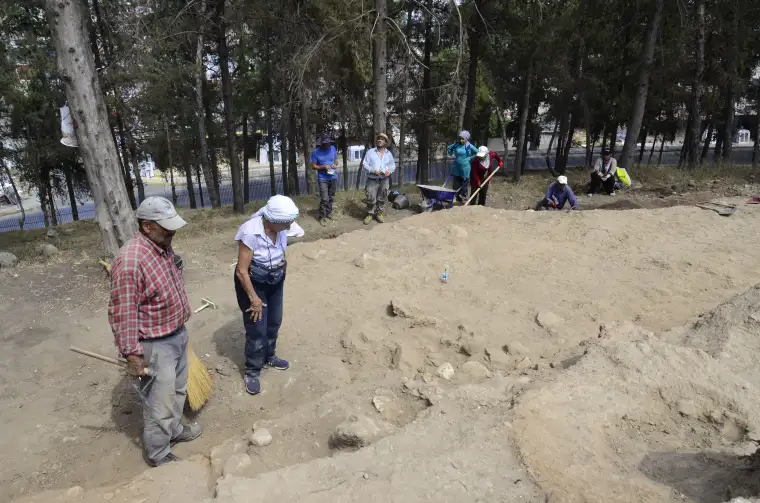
(260,336)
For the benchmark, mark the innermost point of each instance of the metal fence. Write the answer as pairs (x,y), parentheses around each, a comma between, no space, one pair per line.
(259,190)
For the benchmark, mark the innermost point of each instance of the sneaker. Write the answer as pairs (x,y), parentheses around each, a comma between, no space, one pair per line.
(612,193)
(590,194)
(380,218)
(368,220)
(252,385)
(169,458)
(277,363)
(189,433)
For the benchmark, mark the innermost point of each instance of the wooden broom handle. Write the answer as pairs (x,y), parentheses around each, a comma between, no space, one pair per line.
(120,362)
(481,186)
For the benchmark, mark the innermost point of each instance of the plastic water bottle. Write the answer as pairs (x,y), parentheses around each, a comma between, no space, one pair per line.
(445,275)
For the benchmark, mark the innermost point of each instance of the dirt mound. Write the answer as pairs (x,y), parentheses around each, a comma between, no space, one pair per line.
(457,383)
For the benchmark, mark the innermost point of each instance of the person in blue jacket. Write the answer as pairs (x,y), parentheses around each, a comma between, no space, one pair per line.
(557,195)
(463,151)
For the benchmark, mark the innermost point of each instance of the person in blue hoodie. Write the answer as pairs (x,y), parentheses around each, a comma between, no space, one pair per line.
(463,151)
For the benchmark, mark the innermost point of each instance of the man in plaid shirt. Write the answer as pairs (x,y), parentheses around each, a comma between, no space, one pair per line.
(147,313)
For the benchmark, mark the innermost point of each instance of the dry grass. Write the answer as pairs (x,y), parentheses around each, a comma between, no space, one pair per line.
(80,241)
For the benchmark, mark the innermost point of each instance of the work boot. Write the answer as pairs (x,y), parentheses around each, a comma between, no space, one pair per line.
(277,363)
(380,218)
(189,433)
(252,385)
(169,458)
(368,220)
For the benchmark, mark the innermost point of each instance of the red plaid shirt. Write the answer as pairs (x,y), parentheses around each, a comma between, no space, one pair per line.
(148,298)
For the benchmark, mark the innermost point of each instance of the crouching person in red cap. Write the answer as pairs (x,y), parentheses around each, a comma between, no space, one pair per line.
(481,167)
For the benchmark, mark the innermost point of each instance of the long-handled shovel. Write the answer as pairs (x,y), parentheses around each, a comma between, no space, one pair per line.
(724,210)
(481,186)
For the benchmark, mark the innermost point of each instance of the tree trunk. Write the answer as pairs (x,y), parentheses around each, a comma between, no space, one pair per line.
(718,147)
(309,175)
(51,200)
(200,73)
(379,68)
(293,152)
(472,72)
(522,128)
(708,140)
(662,147)
(126,168)
(229,116)
(43,197)
(246,154)
(462,105)
(344,141)
(568,143)
(640,100)
(729,111)
(212,143)
(651,151)
(188,168)
(644,134)
(284,153)
(564,125)
(756,147)
(70,188)
(19,202)
(423,155)
(503,129)
(695,114)
(170,161)
(77,68)
(404,94)
(200,187)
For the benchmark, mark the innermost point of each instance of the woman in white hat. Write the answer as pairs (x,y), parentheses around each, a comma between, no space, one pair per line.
(481,167)
(557,195)
(259,281)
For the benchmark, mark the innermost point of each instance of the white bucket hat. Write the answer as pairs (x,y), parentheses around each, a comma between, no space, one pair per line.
(562,180)
(482,152)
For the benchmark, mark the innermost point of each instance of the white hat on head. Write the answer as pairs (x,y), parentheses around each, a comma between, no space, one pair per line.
(482,152)
(562,180)
(162,211)
(279,210)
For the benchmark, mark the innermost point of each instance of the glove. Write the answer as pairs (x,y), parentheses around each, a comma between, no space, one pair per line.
(501,164)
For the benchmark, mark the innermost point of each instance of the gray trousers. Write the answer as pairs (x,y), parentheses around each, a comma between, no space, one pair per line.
(163,392)
(326,196)
(376,192)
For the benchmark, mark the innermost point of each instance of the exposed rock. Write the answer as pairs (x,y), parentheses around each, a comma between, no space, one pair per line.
(497,356)
(457,232)
(221,453)
(541,366)
(236,464)
(52,233)
(475,369)
(691,184)
(404,309)
(359,431)
(516,349)
(261,437)
(445,371)
(686,408)
(387,405)
(523,364)
(47,250)
(75,493)
(363,260)
(473,346)
(549,320)
(405,357)
(314,254)
(7,260)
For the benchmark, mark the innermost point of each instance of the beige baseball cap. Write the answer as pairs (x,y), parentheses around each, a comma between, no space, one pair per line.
(162,211)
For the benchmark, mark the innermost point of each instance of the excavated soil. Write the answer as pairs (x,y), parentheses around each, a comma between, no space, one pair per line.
(569,384)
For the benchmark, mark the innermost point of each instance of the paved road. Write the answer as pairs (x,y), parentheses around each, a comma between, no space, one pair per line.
(260,185)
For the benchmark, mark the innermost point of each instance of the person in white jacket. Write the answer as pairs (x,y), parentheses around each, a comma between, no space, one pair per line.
(379,165)
(603,174)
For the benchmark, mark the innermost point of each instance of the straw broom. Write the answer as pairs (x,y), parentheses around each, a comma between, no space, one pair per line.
(199,383)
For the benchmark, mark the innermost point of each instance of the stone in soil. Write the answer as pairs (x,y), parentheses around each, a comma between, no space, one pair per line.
(549,320)
(359,431)
(261,437)
(523,364)
(475,369)
(497,356)
(47,250)
(445,371)
(7,260)
(236,464)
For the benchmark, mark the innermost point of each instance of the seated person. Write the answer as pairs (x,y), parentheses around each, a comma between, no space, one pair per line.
(557,195)
(603,174)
